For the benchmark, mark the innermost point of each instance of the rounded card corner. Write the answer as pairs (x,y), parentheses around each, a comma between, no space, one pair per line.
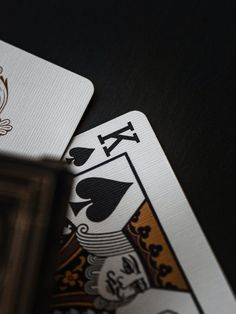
(90,85)
(138,113)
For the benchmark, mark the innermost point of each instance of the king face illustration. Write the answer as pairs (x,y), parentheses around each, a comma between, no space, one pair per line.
(5,126)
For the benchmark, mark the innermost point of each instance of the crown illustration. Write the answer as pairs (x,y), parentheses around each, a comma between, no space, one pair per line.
(147,236)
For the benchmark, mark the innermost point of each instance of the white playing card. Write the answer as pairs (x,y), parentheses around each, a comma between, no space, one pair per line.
(132,243)
(40,104)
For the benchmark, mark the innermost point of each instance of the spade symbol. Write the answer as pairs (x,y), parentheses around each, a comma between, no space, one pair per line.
(104,195)
(79,155)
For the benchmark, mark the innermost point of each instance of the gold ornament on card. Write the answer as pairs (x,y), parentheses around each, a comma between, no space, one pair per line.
(5,126)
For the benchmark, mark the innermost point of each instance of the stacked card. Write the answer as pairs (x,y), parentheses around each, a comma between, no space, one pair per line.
(131,243)
(41,104)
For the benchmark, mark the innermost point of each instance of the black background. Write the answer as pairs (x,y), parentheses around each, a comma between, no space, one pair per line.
(173,60)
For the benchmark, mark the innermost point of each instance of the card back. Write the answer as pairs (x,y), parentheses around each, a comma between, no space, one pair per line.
(41,104)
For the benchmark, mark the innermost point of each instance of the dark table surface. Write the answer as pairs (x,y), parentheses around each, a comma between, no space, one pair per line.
(173,61)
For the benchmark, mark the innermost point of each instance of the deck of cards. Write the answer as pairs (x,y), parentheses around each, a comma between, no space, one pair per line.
(130,242)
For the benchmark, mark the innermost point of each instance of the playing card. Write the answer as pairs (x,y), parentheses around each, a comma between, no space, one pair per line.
(41,104)
(131,243)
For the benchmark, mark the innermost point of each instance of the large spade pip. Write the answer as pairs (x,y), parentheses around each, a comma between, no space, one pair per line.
(103,194)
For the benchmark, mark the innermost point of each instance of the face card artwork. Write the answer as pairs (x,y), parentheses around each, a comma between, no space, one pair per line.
(126,245)
(126,250)
(41,104)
